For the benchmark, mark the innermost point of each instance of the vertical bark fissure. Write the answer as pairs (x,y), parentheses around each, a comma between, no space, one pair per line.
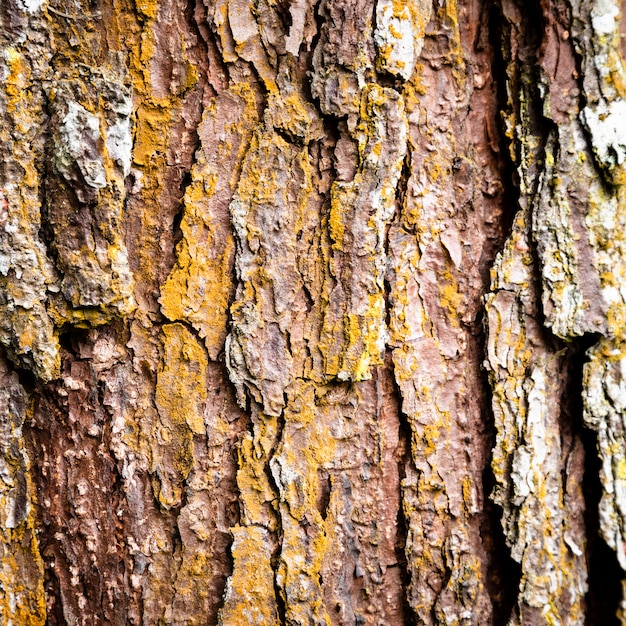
(605,592)
(504,572)
(402,527)
(403,451)
(277,533)
(497,134)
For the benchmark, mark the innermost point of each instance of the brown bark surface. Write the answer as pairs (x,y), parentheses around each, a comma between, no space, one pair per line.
(312,312)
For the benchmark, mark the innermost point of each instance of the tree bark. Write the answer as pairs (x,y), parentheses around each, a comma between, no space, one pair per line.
(312,312)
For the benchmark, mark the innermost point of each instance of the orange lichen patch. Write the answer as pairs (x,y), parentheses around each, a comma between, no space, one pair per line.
(250,596)
(456,51)
(287,110)
(207,286)
(306,446)
(22,597)
(200,286)
(15,85)
(414,89)
(258,496)
(147,9)
(363,346)
(65,315)
(451,297)
(180,396)
(181,382)
(158,124)
(301,584)
(151,130)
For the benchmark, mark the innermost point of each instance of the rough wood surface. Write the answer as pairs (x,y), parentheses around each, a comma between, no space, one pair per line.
(312,312)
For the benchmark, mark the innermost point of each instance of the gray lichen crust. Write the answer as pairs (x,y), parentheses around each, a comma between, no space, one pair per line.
(91,154)
(75,146)
(27,275)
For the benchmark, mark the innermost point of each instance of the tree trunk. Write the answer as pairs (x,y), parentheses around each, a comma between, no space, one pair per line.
(312,312)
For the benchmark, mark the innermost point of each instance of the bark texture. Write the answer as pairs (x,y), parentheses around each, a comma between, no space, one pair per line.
(312,312)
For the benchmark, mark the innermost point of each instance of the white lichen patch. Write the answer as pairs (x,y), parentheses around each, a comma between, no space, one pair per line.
(395,38)
(31,6)
(604,76)
(119,142)
(399,35)
(297,11)
(91,156)
(569,294)
(604,15)
(26,273)
(563,301)
(606,123)
(21,570)
(78,143)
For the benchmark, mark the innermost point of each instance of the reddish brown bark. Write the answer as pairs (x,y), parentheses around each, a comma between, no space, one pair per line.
(289,291)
